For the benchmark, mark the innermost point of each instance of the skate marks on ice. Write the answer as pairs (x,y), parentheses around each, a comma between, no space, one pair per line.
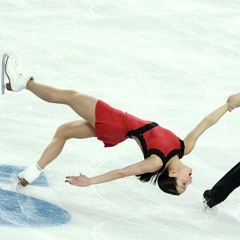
(19,210)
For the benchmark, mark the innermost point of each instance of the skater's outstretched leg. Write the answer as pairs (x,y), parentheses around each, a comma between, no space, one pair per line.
(82,104)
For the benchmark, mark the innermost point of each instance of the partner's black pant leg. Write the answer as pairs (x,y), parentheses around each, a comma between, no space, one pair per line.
(221,190)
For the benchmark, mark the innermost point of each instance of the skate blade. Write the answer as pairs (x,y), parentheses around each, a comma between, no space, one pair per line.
(21,183)
(4,58)
(204,206)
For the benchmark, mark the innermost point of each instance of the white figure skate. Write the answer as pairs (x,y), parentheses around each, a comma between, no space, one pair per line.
(205,207)
(16,80)
(27,176)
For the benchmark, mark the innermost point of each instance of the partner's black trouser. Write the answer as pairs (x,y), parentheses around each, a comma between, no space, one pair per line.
(223,187)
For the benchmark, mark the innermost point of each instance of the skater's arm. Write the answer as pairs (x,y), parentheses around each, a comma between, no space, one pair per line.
(206,123)
(151,164)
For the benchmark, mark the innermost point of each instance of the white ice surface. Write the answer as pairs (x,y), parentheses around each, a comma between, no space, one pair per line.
(168,61)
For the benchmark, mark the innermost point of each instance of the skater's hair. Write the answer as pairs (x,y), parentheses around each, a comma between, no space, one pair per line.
(166,184)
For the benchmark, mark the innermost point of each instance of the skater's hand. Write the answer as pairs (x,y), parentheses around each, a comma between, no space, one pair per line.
(81,181)
(233,101)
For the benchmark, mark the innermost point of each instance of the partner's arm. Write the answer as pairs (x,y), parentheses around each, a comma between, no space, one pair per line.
(151,164)
(206,123)
(233,101)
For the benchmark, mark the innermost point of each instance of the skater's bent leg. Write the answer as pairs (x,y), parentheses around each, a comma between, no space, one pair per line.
(82,104)
(76,129)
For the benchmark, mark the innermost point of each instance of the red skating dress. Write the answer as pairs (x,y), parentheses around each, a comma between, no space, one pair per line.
(114,126)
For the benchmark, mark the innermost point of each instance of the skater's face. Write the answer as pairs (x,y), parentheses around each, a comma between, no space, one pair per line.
(183,178)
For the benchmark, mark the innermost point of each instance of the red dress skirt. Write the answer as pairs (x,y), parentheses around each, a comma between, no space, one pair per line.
(112,125)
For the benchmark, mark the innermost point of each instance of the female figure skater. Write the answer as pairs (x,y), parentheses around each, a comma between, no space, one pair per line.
(161,148)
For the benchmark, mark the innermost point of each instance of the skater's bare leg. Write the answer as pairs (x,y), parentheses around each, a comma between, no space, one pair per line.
(76,129)
(82,104)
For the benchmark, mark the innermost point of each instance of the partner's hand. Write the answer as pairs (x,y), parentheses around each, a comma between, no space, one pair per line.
(233,101)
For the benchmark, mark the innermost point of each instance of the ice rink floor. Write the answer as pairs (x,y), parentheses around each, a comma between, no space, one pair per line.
(170,61)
